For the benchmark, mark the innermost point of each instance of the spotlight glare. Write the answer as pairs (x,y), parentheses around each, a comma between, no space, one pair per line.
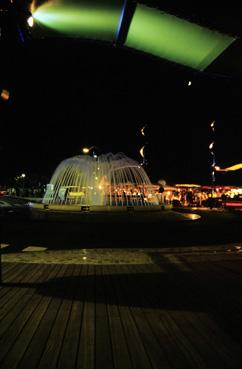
(30,21)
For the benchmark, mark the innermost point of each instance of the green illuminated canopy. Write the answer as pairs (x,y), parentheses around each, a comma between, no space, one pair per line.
(82,19)
(150,30)
(175,39)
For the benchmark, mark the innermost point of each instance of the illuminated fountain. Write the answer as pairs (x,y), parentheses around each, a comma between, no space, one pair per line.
(105,180)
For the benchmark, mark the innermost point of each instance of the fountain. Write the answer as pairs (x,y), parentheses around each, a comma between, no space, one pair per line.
(107,180)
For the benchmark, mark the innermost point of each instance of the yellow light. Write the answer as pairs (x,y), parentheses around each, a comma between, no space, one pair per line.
(142,151)
(76,193)
(211,145)
(234,167)
(86,150)
(23,175)
(33,6)
(192,216)
(187,185)
(143,130)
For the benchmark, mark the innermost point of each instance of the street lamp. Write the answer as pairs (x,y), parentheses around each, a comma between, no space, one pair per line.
(22,176)
(91,149)
(85,150)
(20,181)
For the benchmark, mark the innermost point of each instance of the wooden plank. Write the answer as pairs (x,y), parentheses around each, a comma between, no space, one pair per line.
(151,344)
(37,345)
(194,296)
(178,350)
(15,304)
(121,355)
(7,289)
(50,355)
(19,316)
(7,269)
(68,354)
(103,348)
(222,288)
(18,276)
(184,348)
(195,292)
(138,354)
(234,266)
(86,350)
(163,317)
(16,352)
(222,350)
(14,275)
(213,282)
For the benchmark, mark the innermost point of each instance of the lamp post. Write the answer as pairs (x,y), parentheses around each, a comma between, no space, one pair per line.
(91,149)
(212,153)
(20,181)
(22,177)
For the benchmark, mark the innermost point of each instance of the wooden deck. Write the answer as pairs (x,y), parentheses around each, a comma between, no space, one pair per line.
(182,311)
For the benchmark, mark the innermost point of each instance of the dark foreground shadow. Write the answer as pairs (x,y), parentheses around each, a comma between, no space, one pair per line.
(217,295)
(146,290)
(110,231)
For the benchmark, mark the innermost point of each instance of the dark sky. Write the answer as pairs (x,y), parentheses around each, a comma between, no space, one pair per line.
(66,94)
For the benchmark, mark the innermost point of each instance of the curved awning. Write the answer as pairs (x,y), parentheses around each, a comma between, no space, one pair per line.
(147,29)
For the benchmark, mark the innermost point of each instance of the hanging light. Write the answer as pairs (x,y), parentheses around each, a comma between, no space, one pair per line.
(211,145)
(5,94)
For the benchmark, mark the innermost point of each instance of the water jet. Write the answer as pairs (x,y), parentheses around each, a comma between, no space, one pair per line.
(108,180)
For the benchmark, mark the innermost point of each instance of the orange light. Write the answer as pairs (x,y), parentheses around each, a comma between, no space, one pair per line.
(5,94)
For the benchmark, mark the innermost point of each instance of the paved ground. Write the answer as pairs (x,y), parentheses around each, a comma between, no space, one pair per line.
(33,254)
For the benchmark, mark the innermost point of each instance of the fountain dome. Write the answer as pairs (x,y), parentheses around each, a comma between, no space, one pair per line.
(107,180)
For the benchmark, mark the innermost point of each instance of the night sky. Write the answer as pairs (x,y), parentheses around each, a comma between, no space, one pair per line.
(67,94)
